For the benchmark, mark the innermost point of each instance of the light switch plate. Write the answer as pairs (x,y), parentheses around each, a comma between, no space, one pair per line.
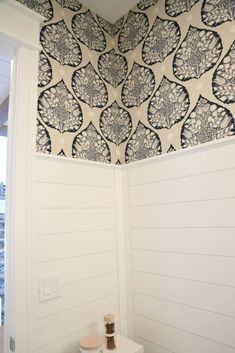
(49,286)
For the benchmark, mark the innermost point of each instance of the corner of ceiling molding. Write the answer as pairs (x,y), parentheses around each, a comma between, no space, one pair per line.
(113,5)
(23,9)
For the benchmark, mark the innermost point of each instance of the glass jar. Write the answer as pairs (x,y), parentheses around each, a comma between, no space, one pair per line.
(110,332)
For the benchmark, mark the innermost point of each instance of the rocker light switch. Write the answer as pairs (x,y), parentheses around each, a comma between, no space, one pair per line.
(49,286)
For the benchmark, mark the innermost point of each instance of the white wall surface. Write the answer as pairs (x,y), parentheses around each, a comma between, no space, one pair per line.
(74,235)
(183,250)
(152,242)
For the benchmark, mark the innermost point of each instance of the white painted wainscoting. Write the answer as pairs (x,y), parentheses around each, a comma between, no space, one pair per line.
(152,242)
(76,236)
(182,227)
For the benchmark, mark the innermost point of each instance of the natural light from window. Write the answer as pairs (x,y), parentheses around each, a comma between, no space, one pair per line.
(3,155)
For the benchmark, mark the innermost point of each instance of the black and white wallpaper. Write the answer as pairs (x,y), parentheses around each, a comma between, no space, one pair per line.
(160,79)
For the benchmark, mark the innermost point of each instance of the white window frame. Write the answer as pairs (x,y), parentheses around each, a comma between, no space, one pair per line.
(19,31)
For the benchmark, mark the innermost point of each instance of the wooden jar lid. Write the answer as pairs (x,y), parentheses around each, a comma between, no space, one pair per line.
(91,342)
(109,318)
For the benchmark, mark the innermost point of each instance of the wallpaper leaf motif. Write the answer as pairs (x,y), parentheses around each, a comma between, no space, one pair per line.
(216,12)
(112,67)
(61,153)
(200,51)
(43,7)
(223,82)
(44,70)
(207,122)
(89,87)
(171,149)
(144,143)
(58,108)
(88,32)
(138,87)
(177,7)
(115,124)
(168,105)
(133,31)
(90,145)
(197,54)
(145,4)
(43,141)
(73,5)
(59,43)
(161,41)
(111,29)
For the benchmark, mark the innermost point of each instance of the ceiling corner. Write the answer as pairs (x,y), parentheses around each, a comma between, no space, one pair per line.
(110,10)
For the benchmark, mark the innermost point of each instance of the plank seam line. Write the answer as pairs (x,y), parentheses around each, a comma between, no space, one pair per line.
(183,279)
(74,184)
(77,256)
(115,294)
(181,202)
(188,332)
(214,171)
(182,252)
(183,304)
(182,227)
(75,232)
(88,278)
(75,208)
(154,344)
(71,334)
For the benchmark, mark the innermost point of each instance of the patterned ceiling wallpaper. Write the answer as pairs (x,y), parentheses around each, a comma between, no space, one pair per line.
(160,79)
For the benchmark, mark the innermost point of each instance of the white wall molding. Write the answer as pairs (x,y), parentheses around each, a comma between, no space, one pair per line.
(111,10)
(154,237)
(24,10)
(70,160)
(19,32)
(165,156)
(74,235)
(183,249)
(124,252)
(183,152)
(18,24)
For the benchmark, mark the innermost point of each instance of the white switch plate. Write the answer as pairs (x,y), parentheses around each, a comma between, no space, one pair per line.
(49,286)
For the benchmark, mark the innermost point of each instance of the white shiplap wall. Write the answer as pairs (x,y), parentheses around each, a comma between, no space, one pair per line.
(75,234)
(182,229)
(153,242)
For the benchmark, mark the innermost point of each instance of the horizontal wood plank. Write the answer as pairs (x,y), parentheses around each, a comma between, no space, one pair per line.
(55,247)
(219,157)
(189,214)
(79,268)
(199,322)
(208,241)
(206,296)
(55,327)
(150,347)
(55,221)
(79,293)
(210,269)
(71,341)
(72,196)
(196,187)
(176,340)
(76,172)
